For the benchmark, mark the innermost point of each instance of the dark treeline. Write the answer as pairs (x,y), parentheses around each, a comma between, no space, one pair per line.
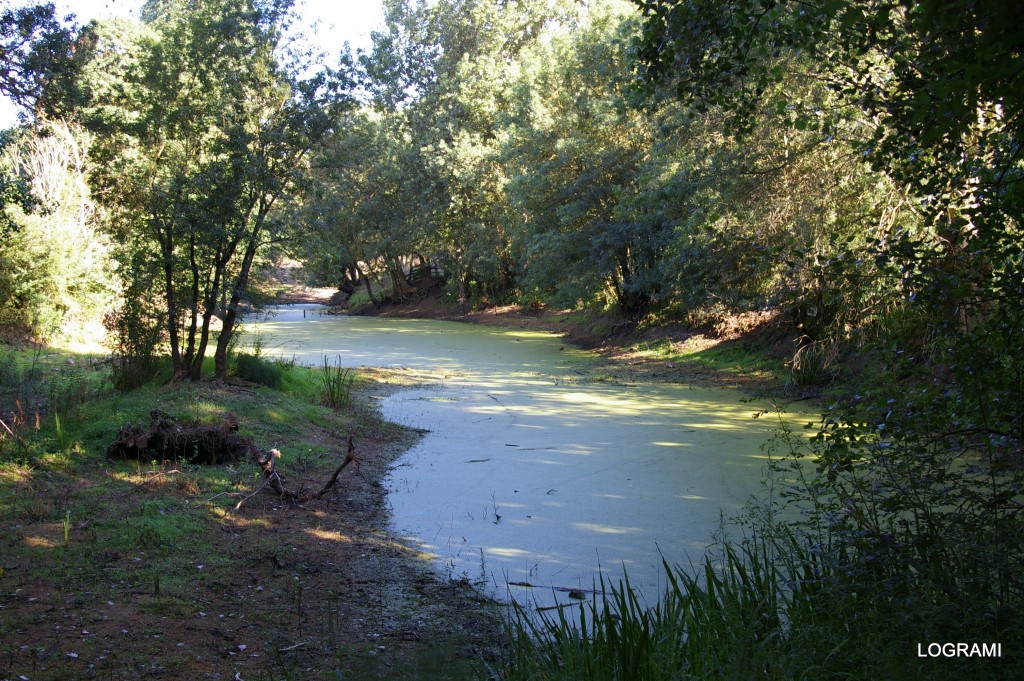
(849,169)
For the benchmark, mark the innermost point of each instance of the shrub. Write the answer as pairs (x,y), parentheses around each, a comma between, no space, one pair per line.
(813,364)
(258,370)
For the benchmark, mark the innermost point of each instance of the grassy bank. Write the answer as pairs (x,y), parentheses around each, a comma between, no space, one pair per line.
(161,568)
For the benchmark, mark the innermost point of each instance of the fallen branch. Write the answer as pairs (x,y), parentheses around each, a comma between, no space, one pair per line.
(153,475)
(276,482)
(349,458)
(250,496)
(223,494)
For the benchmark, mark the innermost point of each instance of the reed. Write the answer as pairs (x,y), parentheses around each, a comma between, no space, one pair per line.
(337,381)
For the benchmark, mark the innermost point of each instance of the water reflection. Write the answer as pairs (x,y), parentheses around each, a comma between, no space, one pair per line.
(529,475)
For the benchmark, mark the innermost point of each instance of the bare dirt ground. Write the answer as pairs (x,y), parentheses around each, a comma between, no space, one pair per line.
(156,575)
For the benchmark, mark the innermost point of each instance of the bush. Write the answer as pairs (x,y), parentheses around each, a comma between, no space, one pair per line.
(134,332)
(814,364)
(258,370)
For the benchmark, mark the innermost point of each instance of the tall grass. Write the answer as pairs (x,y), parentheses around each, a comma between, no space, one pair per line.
(724,620)
(770,606)
(337,382)
(258,370)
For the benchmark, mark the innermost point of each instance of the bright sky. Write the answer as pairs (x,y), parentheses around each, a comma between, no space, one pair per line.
(339,21)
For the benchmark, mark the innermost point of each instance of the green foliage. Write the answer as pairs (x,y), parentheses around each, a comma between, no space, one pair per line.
(204,127)
(258,370)
(723,622)
(337,384)
(37,49)
(914,490)
(573,157)
(901,90)
(134,332)
(774,605)
(55,268)
(10,375)
(67,391)
(814,364)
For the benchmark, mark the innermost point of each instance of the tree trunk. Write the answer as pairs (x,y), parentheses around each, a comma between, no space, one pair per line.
(210,305)
(220,356)
(366,282)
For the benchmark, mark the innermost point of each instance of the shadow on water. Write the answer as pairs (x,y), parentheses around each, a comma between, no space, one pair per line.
(530,480)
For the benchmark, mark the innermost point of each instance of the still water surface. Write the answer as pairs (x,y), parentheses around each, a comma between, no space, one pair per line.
(530,474)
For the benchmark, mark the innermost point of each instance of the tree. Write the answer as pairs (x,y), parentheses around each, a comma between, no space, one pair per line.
(35,52)
(363,216)
(447,65)
(55,270)
(935,82)
(203,139)
(574,155)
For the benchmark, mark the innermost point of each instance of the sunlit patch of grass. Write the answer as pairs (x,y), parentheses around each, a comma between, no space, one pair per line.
(12,472)
(206,410)
(726,356)
(40,542)
(328,535)
(273,415)
(62,461)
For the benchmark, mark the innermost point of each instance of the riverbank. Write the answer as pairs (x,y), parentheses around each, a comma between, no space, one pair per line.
(131,568)
(168,569)
(745,354)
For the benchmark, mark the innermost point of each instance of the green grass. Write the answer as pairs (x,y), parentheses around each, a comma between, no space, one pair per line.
(381,291)
(729,357)
(145,536)
(763,608)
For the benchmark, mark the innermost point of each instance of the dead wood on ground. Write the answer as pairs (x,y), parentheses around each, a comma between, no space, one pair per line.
(211,443)
(190,441)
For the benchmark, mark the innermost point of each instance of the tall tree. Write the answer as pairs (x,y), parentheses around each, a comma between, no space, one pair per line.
(205,139)
(35,53)
(574,155)
(450,65)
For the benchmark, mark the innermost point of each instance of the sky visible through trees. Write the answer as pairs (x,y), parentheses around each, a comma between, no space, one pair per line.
(339,21)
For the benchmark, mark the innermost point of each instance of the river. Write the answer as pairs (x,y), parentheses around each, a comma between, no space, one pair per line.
(534,480)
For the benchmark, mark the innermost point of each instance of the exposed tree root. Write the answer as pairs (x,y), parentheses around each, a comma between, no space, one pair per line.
(274,480)
(191,441)
(212,443)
